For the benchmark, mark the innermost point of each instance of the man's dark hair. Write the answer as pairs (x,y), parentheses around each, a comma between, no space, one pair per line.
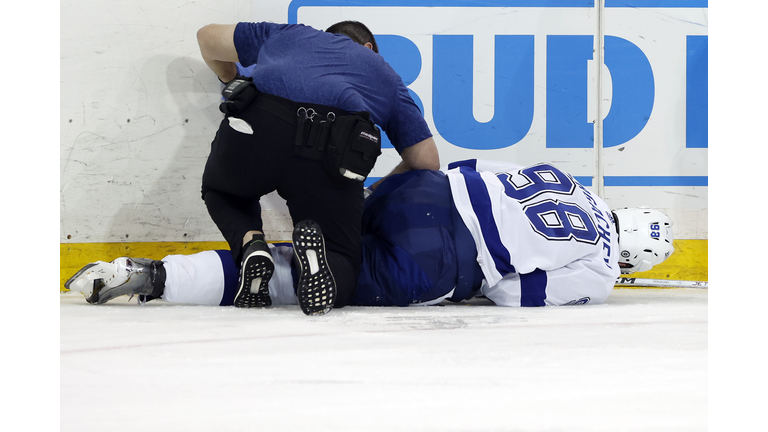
(356,31)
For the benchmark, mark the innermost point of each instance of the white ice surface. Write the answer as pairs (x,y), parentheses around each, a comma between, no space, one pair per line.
(636,363)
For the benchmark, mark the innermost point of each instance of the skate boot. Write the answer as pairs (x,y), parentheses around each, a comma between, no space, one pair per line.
(102,281)
(256,270)
(316,288)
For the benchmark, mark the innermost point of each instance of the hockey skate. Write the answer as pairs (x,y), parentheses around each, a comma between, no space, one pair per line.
(316,288)
(102,281)
(255,273)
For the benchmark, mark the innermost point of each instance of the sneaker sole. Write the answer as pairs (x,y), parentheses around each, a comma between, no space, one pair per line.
(316,289)
(254,281)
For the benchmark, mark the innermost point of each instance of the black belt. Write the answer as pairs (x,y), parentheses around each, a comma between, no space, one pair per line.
(291,111)
(347,143)
(312,121)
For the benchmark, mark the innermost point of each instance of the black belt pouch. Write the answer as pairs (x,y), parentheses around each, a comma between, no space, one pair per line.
(238,94)
(354,145)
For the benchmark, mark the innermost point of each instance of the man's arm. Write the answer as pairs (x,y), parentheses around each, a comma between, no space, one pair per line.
(422,155)
(217,46)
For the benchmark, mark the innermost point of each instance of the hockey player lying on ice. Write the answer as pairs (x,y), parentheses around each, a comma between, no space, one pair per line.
(519,236)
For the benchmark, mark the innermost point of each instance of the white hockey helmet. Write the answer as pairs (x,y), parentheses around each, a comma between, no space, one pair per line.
(645,238)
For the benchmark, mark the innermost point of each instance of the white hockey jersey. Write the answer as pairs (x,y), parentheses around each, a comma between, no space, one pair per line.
(542,237)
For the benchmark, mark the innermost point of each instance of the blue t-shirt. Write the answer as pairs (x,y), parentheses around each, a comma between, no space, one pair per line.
(303,64)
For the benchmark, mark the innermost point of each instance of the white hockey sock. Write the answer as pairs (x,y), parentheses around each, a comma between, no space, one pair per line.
(194,279)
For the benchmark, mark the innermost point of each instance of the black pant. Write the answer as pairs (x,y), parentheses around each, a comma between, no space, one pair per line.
(243,167)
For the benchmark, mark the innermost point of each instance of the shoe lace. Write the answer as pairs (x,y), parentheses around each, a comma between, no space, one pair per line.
(142,299)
